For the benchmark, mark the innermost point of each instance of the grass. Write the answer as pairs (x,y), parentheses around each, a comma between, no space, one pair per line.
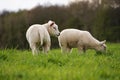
(22,65)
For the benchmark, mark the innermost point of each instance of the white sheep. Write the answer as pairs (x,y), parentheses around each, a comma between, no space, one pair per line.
(40,34)
(83,40)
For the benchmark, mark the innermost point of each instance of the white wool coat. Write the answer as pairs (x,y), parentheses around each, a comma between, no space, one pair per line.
(38,33)
(74,38)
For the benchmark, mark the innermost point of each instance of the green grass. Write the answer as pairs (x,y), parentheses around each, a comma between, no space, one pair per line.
(22,65)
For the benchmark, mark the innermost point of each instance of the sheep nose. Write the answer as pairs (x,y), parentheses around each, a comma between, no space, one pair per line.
(58,34)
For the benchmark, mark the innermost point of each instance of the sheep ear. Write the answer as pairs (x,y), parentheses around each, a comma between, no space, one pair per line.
(102,42)
(52,24)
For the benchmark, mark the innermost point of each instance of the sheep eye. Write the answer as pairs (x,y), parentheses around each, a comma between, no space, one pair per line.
(54,28)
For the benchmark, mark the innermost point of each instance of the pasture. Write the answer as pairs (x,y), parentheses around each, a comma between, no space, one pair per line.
(22,65)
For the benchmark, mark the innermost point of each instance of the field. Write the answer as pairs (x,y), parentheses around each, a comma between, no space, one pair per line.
(22,65)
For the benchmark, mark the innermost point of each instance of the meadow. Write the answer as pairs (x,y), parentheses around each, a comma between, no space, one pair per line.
(22,65)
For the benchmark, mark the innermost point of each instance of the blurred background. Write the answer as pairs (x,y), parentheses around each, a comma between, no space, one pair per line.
(100,17)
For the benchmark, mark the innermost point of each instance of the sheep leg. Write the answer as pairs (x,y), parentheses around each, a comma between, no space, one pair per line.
(80,50)
(65,50)
(34,48)
(69,50)
(46,48)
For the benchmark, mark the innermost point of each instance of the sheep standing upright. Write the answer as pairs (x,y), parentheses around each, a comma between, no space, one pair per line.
(40,34)
(83,40)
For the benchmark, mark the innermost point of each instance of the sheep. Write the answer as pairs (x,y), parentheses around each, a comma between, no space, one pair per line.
(40,34)
(83,40)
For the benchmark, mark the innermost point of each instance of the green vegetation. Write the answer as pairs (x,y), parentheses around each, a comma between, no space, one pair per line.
(22,65)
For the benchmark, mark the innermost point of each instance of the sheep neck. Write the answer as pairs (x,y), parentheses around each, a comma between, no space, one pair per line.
(46,25)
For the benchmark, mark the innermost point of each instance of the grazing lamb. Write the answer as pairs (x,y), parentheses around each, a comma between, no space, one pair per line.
(40,34)
(83,40)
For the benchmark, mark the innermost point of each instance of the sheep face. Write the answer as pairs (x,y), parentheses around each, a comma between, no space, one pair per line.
(101,46)
(53,29)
